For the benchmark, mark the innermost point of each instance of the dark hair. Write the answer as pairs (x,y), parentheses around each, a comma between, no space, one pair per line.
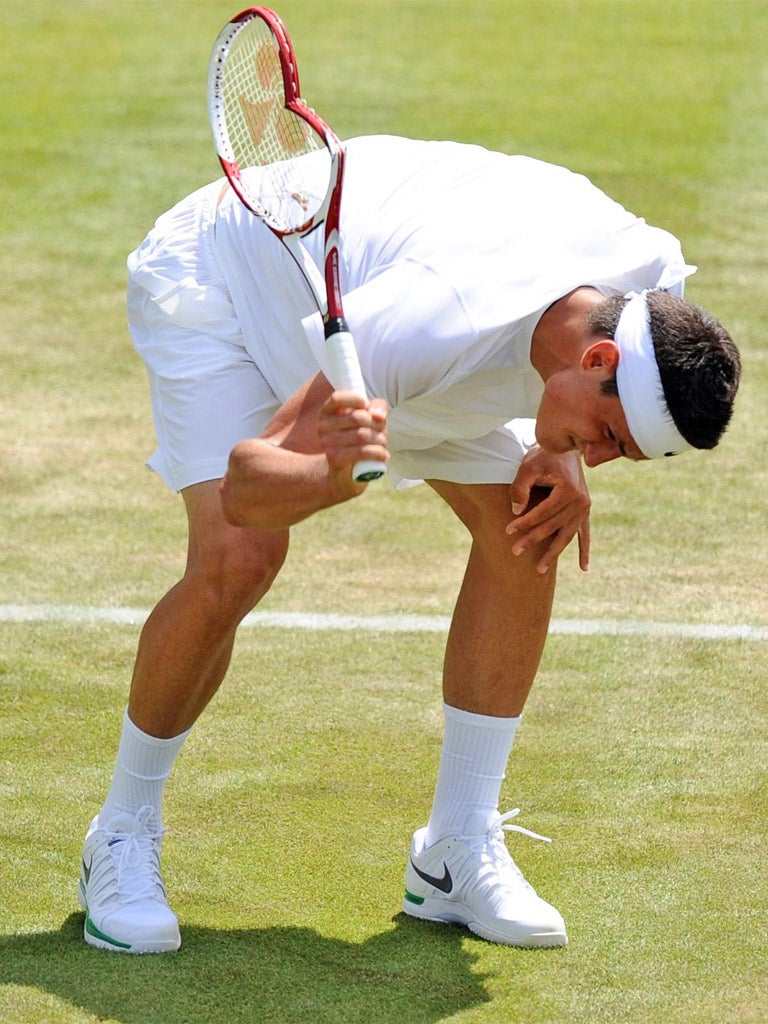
(698,362)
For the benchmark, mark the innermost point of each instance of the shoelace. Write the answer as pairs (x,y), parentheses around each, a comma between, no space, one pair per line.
(138,859)
(494,849)
(499,826)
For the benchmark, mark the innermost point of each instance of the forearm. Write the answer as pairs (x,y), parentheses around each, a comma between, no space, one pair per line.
(272,488)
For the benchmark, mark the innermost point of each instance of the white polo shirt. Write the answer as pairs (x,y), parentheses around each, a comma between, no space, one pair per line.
(450,254)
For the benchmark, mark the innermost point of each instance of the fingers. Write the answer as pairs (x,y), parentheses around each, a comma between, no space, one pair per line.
(553,513)
(559,516)
(584,538)
(555,519)
(353,428)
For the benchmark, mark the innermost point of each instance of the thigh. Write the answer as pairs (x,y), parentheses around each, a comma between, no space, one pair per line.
(486,511)
(482,508)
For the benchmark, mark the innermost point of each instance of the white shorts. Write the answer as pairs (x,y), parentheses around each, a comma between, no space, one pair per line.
(206,389)
(207,393)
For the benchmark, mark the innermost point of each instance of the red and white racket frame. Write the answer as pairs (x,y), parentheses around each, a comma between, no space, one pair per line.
(340,347)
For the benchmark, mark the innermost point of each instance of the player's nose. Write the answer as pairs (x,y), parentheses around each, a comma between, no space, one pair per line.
(598,452)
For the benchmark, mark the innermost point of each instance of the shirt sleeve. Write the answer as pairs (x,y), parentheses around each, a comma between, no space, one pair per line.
(410,327)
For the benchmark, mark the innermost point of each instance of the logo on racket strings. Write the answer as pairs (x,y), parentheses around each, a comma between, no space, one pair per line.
(275,132)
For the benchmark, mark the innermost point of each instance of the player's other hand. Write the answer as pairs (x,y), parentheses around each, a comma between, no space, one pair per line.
(561,513)
(352,429)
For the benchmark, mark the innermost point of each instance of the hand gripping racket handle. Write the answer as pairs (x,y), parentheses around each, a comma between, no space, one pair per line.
(347,376)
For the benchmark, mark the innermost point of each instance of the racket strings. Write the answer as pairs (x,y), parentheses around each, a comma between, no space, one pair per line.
(269,142)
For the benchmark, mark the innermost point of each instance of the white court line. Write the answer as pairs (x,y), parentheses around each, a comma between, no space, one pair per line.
(70,613)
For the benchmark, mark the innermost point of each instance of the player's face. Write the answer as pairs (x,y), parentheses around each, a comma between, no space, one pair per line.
(575,414)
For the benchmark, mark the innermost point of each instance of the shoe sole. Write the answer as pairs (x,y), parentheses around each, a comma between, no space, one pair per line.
(99,940)
(437,912)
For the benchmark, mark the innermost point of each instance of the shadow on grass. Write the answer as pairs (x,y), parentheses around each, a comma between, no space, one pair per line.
(416,973)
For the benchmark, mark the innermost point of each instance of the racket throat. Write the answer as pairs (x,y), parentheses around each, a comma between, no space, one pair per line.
(335,325)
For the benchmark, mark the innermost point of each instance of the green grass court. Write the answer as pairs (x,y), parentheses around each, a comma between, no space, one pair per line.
(644,757)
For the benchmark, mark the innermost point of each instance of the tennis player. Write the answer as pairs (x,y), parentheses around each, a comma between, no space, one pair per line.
(514,324)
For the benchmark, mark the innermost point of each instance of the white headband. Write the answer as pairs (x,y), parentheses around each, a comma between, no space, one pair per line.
(639,383)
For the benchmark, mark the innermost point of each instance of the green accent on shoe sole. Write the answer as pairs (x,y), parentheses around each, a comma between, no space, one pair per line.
(91,928)
(418,900)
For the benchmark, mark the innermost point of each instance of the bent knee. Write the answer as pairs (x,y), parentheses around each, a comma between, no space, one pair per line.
(235,570)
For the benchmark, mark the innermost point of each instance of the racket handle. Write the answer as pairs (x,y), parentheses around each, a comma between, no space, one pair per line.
(347,376)
(366,470)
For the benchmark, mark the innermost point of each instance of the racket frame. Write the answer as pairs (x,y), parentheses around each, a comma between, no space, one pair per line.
(325,286)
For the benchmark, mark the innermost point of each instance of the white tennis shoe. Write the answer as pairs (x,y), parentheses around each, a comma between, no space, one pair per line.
(121,889)
(472,880)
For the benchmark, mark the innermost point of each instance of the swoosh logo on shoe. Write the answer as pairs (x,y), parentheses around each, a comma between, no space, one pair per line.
(87,870)
(444,884)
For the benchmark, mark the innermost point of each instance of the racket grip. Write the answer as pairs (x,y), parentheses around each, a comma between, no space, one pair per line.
(346,375)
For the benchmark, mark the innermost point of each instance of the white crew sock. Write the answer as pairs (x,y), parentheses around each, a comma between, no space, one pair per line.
(143,765)
(476,749)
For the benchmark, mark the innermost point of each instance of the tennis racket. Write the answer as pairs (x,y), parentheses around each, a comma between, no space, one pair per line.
(286,165)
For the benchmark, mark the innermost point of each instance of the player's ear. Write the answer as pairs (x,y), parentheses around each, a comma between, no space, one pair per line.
(603,354)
